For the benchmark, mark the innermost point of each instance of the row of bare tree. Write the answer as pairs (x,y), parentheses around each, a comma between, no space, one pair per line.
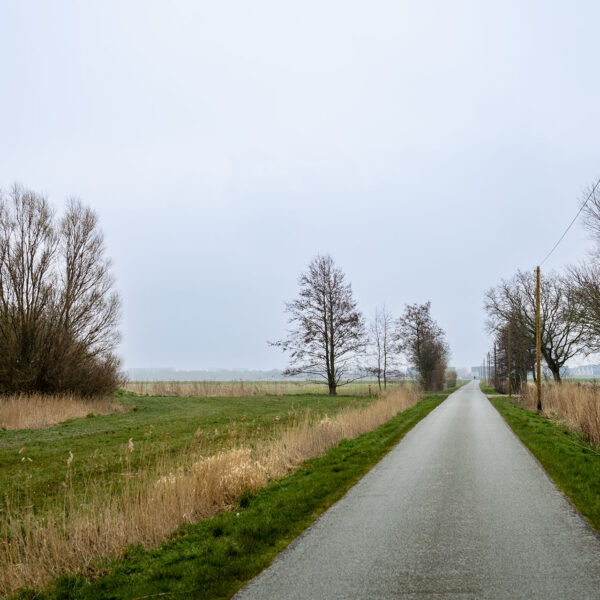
(570,313)
(58,310)
(329,340)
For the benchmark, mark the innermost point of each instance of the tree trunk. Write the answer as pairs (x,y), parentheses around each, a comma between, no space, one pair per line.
(332,388)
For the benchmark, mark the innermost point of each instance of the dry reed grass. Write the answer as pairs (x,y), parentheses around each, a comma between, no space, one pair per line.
(578,405)
(34,548)
(242,388)
(35,411)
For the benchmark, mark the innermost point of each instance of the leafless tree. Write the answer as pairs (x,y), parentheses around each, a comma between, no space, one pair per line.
(562,332)
(327,331)
(58,311)
(590,204)
(515,354)
(584,279)
(584,283)
(382,347)
(423,341)
(28,244)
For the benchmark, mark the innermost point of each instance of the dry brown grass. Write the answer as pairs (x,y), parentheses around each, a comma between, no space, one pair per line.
(577,404)
(242,388)
(34,548)
(35,411)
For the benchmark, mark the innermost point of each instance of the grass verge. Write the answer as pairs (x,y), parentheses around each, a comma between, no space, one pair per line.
(214,558)
(568,458)
(487,389)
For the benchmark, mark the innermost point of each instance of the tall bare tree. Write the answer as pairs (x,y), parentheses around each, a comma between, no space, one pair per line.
(28,244)
(590,205)
(58,310)
(327,331)
(423,342)
(583,281)
(382,347)
(515,356)
(563,335)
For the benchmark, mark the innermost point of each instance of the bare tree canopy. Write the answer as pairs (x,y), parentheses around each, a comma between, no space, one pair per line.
(514,356)
(423,342)
(562,330)
(591,211)
(327,331)
(58,311)
(382,347)
(584,283)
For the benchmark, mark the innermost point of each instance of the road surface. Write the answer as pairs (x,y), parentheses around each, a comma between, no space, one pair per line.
(459,509)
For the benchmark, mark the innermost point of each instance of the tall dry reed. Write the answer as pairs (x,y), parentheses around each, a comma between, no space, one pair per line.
(35,411)
(34,548)
(577,404)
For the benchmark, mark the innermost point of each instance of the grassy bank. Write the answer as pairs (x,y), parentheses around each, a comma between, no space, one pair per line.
(213,558)
(570,460)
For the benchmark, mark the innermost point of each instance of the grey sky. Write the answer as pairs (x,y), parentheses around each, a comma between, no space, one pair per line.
(430,147)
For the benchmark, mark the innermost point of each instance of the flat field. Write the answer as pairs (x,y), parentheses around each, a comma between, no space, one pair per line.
(66,488)
(34,469)
(249,388)
(85,489)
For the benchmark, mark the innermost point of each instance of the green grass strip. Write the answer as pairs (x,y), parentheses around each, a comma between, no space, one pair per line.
(568,458)
(487,389)
(216,557)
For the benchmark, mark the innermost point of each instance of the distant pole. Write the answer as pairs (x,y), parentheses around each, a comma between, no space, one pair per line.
(509,359)
(538,342)
(495,369)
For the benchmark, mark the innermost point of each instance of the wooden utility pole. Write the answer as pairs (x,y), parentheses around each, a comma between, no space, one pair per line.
(509,360)
(538,342)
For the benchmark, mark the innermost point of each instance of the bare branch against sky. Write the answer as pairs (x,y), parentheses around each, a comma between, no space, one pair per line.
(432,148)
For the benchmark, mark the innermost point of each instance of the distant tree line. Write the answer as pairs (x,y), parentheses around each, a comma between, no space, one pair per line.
(58,309)
(329,340)
(569,311)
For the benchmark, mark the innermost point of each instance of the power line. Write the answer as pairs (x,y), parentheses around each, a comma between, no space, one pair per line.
(562,237)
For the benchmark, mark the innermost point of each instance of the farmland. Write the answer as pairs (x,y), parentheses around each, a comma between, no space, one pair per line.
(56,481)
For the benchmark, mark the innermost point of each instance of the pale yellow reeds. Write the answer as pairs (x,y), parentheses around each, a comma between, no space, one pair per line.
(34,548)
(578,404)
(35,411)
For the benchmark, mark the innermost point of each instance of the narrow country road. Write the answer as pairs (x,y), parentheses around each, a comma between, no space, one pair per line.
(459,509)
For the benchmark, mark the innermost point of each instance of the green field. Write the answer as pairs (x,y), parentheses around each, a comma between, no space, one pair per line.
(214,558)
(160,427)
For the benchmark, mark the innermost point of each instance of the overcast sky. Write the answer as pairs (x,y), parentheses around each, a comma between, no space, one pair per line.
(430,147)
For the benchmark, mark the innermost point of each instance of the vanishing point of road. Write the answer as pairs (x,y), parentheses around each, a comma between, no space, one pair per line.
(459,509)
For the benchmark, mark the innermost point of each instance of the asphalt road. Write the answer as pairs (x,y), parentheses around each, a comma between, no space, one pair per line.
(459,509)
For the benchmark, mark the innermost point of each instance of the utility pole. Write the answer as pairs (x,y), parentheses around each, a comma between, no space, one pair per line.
(509,359)
(495,369)
(538,342)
